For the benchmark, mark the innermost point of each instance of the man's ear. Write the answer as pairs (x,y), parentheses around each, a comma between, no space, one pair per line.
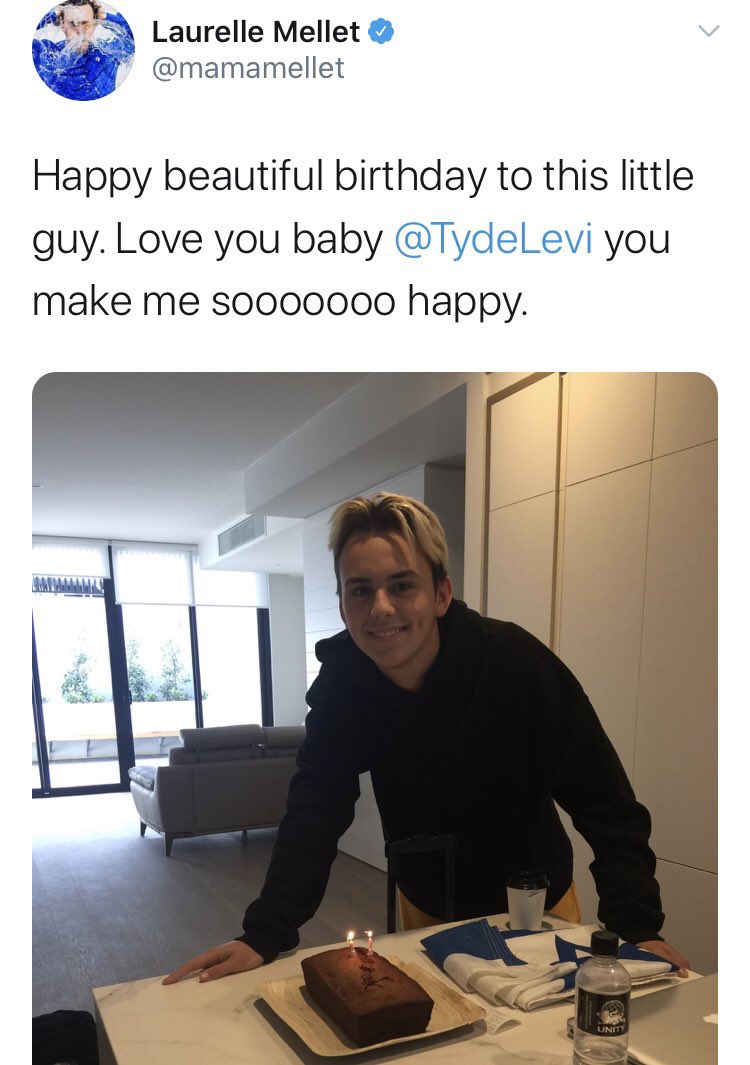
(443,596)
(341,611)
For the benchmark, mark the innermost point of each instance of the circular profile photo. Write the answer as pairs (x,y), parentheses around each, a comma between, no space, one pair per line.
(83,50)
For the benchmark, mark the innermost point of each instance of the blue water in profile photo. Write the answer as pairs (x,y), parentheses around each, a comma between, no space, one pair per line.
(83,50)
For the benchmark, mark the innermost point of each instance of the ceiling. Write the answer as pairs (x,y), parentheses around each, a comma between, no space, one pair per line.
(167,457)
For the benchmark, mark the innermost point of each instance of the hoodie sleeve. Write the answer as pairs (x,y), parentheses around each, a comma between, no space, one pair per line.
(590,783)
(320,808)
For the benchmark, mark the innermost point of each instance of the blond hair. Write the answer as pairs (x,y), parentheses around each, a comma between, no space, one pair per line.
(390,513)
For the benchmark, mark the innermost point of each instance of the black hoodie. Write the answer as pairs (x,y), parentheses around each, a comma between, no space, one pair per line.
(499,729)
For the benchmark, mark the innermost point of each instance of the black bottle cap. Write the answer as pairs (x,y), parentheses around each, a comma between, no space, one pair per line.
(604,943)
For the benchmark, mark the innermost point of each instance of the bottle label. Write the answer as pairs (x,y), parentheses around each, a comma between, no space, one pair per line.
(604,1015)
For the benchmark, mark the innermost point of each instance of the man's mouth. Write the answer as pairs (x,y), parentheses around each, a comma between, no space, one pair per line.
(385,634)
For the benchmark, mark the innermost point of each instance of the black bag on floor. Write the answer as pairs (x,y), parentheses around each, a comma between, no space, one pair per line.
(64,1036)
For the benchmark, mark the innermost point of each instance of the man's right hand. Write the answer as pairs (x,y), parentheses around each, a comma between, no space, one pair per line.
(233,957)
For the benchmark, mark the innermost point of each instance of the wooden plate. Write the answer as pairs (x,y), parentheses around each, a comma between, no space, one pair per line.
(291,1001)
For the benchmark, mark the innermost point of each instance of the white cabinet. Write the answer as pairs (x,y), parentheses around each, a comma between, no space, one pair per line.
(601,539)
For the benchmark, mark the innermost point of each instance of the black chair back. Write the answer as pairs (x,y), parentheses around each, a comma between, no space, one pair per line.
(415,845)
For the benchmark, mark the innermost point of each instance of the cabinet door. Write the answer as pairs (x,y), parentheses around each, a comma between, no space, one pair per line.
(524,447)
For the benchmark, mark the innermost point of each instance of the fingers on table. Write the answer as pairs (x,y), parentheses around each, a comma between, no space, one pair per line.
(201,961)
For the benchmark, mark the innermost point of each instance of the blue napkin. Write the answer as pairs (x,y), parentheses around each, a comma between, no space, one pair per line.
(485,941)
(479,938)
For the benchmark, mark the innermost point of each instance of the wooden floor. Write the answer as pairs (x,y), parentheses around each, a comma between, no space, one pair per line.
(108,906)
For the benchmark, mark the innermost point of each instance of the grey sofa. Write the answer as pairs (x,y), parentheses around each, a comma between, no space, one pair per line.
(224,779)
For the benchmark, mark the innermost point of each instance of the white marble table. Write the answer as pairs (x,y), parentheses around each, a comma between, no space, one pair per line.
(227,1023)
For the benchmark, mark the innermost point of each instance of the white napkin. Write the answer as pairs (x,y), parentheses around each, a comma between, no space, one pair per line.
(522,986)
(543,978)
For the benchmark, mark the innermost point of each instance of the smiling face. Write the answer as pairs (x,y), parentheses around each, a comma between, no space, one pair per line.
(390,605)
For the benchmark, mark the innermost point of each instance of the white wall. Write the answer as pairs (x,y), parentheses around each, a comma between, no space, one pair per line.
(387,423)
(601,539)
(444,493)
(286,621)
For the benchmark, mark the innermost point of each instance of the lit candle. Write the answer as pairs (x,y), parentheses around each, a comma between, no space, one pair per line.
(369,942)
(350,941)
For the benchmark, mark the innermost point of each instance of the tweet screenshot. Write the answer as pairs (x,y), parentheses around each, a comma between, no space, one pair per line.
(385,212)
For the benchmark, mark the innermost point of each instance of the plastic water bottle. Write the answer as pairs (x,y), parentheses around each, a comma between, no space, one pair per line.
(602,1012)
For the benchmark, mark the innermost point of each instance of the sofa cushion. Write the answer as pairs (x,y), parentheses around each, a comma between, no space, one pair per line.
(179,756)
(145,775)
(206,739)
(284,738)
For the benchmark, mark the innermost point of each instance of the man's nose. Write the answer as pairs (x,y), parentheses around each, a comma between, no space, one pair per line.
(381,603)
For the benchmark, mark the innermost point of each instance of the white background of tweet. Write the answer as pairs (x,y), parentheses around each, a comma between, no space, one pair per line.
(473,84)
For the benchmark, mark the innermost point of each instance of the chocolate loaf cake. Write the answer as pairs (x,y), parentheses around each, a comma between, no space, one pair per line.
(367,997)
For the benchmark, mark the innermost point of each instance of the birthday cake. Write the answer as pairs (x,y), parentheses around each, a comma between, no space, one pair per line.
(370,999)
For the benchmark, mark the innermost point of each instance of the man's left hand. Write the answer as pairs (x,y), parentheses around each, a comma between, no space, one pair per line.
(664,950)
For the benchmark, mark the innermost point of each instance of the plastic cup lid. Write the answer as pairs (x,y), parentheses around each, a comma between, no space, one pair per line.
(526,879)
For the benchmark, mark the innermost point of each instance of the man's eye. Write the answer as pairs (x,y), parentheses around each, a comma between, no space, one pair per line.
(403,586)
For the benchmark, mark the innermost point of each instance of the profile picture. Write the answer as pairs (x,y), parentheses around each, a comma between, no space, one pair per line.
(83,50)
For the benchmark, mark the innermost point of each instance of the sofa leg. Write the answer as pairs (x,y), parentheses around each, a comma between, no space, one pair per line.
(168,841)
(143,828)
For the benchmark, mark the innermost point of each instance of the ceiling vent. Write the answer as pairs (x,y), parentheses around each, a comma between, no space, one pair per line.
(244,532)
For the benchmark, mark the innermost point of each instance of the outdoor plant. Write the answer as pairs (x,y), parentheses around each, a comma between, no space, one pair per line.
(75,686)
(174,676)
(137,677)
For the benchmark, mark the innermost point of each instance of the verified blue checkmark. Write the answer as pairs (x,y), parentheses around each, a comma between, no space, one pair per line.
(381,30)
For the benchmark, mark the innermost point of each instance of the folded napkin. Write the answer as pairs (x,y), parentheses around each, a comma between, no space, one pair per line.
(539,969)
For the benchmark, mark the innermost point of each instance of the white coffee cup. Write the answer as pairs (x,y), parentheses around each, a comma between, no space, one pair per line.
(527,894)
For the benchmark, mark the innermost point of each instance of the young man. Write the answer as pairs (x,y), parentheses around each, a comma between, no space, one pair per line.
(469,727)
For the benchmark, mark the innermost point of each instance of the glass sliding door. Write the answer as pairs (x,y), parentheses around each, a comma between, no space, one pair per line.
(39,761)
(159,657)
(123,659)
(76,710)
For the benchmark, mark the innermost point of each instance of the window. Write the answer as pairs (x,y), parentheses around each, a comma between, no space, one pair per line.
(120,664)
(230,666)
